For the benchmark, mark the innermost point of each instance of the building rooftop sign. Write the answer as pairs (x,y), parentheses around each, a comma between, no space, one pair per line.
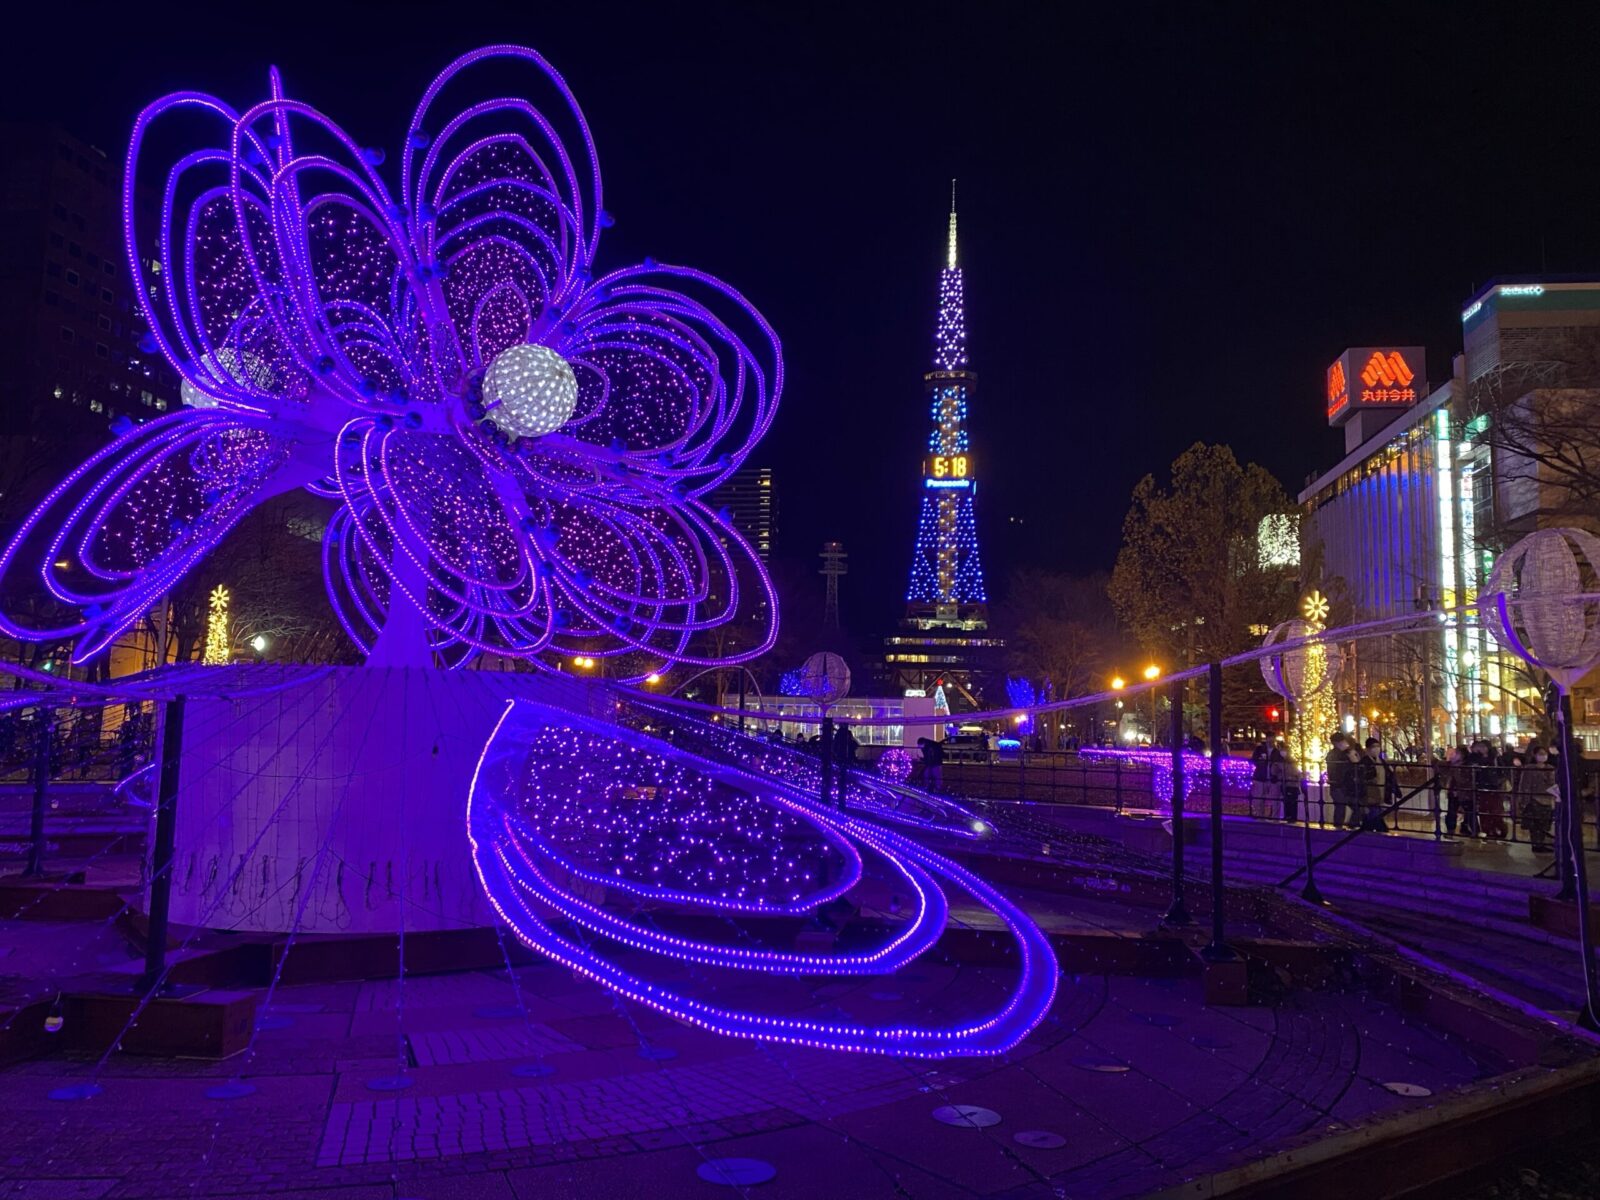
(1369,377)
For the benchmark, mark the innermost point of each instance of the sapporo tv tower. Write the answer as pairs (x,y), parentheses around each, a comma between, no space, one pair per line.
(947,604)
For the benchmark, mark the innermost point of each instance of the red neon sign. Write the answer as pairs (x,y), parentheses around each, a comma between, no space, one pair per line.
(1338,388)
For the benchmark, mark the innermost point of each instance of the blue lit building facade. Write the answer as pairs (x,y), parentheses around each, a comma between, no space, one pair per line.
(1415,513)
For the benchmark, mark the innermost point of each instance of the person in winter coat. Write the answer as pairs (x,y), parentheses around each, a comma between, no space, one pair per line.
(1460,799)
(1531,785)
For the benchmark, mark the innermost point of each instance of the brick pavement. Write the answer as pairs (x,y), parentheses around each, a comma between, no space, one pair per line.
(1202,1087)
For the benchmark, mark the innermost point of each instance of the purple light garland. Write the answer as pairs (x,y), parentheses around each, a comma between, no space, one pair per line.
(1236,772)
(534,777)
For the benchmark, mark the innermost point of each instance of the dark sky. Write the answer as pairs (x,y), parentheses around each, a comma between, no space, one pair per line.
(1173,216)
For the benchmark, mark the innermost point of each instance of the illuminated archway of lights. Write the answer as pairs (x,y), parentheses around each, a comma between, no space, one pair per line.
(520,445)
(562,806)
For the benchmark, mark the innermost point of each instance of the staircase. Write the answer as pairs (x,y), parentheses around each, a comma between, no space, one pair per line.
(1463,904)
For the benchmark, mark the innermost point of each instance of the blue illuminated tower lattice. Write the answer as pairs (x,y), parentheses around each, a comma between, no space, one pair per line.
(946,570)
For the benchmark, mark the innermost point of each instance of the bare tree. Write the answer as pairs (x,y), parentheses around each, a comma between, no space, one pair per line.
(1543,423)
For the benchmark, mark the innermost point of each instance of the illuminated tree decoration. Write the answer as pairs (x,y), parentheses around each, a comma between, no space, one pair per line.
(1304,677)
(219,638)
(520,445)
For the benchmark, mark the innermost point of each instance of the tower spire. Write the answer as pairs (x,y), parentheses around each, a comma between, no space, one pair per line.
(950,262)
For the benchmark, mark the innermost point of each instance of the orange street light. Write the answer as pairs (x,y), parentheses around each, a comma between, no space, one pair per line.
(1118,683)
(1152,672)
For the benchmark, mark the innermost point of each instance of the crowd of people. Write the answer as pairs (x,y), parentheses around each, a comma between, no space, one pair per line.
(1480,785)
(1475,787)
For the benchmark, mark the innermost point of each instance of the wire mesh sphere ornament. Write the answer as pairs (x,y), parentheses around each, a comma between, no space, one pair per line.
(825,677)
(521,445)
(1542,600)
(1299,672)
(529,390)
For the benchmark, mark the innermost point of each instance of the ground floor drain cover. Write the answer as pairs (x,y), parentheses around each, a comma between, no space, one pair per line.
(736,1172)
(1039,1139)
(966,1116)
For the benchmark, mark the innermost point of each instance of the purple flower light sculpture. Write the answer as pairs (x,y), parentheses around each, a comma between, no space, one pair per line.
(520,447)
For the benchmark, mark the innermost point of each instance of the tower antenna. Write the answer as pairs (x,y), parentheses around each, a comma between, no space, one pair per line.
(951,261)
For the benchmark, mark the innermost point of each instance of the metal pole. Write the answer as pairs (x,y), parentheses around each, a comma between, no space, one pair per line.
(1218,950)
(155,951)
(741,699)
(1590,1017)
(1309,893)
(1178,913)
(825,744)
(41,788)
(1564,888)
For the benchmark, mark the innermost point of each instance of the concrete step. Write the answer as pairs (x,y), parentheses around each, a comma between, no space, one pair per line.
(1504,910)
(1445,882)
(1511,915)
(1550,977)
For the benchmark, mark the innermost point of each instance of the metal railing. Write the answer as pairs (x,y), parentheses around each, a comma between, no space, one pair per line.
(1495,803)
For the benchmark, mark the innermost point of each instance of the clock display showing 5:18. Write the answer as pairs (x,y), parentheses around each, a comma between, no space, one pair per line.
(947,466)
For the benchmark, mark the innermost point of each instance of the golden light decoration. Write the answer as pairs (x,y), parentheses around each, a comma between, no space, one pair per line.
(219,644)
(1315,608)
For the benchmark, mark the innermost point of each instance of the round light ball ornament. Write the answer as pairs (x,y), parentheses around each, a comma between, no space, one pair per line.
(1541,601)
(1299,673)
(529,390)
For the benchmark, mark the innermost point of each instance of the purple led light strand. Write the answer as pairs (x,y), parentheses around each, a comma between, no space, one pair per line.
(1026,1006)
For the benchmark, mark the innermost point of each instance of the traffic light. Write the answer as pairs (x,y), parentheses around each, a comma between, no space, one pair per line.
(1273,714)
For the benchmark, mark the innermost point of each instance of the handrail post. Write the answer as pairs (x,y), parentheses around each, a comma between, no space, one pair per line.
(1590,1017)
(1178,912)
(41,788)
(1218,950)
(161,859)
(1309,893)
(825,748)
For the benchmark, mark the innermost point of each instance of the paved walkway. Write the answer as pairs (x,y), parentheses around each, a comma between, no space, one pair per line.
(1140,1082)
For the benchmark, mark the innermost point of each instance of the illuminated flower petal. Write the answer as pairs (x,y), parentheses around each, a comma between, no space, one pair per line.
(563,810)
(132,520)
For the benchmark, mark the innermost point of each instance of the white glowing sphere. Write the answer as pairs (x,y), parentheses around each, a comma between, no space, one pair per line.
(529,390)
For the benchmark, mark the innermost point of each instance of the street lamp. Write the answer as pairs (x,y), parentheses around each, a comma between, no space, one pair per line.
(1153,673)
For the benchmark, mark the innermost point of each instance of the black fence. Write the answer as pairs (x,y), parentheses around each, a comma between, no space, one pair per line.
(1513,803)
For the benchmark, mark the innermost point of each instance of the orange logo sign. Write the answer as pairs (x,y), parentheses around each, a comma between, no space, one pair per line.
(1388,369)
(1338,390)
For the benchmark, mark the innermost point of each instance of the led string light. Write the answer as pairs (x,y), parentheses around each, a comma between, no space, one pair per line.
(507,856)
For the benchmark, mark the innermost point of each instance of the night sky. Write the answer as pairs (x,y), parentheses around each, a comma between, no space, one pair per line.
(1173,216)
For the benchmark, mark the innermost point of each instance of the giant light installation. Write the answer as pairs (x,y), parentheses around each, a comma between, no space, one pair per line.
(519,447)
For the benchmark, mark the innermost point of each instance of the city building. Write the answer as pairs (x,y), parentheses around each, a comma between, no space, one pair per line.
(70,362)
(1428,494)
(799,714)
(944,639)
(71,355)
(751,498)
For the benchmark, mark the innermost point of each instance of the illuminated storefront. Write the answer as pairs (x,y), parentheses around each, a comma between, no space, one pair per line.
(1412,516)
